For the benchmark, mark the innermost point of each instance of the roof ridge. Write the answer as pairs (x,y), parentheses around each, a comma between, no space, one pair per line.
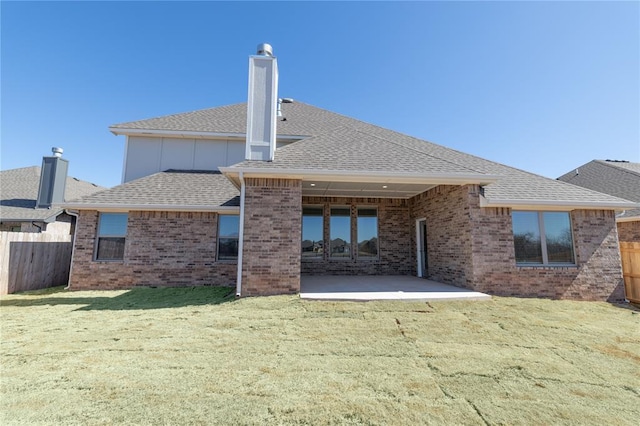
(178,113)
(20,168)
(39,168)
(622,169)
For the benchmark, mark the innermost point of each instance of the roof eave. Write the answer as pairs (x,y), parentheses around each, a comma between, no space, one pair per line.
(628,219)
(48,219)
(363,176)
(150,207)
(192,134)
(559,205)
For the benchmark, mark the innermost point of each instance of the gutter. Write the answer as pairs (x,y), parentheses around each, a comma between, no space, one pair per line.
(194,134)
(240,236)
(364,175)
(73,244)
(627,219)
(556,205)
(149,207)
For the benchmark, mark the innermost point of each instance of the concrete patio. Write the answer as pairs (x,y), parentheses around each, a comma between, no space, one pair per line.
(394,287)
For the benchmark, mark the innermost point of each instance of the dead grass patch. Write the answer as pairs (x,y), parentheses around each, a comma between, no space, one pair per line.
(197,356)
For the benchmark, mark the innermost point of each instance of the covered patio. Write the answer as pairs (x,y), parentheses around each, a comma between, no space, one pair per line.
(376,287)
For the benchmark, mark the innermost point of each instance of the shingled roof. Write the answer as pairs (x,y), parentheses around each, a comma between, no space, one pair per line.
(190,190)
(334,142)
(19,192)
(301,120)
(617,178)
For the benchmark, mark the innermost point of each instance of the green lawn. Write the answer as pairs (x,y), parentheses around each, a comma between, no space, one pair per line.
(197,356)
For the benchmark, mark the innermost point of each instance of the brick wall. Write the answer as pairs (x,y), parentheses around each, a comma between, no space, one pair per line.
(62,226)
(272,233)
(629,232)
(395,255)
(596,276)
(446,209)
(472,247)
(161,249)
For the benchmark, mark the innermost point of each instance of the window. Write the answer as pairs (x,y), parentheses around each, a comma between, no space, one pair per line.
(112,230)
(367,232)
(543,238)
(312,230)
(228,229)
(340,225)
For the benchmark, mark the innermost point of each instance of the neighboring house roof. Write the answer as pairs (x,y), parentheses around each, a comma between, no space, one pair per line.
(342,145)
(186,190)
(19,192)
(617,178)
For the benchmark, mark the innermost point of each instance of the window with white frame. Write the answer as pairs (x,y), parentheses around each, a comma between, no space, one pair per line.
(112,231)
(367,225)
(228,230)
(543,238)
(312,232)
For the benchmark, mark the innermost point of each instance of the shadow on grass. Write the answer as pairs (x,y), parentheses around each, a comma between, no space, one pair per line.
(635,307)
(136,298)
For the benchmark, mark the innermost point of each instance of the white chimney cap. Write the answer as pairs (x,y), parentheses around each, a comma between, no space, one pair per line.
(57,152)
(265,49)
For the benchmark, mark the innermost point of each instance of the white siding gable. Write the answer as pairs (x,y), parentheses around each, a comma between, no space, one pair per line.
(145,156)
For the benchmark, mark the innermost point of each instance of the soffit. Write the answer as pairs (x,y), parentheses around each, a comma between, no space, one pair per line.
(363,189)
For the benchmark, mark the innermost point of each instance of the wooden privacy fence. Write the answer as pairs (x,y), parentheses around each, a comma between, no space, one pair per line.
(31,261)
(630,254)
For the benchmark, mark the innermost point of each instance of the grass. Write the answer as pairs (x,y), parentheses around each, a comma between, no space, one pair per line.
(197,356)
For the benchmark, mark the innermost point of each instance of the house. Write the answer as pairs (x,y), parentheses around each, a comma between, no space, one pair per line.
(37,232)
(237,195)
(30,201)
(617,178)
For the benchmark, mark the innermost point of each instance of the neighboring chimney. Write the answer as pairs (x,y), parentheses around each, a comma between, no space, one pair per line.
(53,180)
(262,105)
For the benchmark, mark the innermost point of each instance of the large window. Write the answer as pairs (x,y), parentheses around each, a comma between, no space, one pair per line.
(367,232)
(340,226)
(112,230)
(352,233)
(312,232)
(228,229)
(543,238)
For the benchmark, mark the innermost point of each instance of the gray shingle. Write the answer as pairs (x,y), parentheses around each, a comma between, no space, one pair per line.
(348,149)
(170,188)
(342,143)
(620,179)
(19,191)
(300,119)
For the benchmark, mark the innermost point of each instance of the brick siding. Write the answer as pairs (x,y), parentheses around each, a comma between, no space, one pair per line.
(629,232)
(597,274)
(62,226)
(446,209)
(467,245)
(395,255)
(472,247)
(272,234)
(161,249)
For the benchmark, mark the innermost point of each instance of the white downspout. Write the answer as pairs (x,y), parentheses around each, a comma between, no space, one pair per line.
(73,245)
(240,236)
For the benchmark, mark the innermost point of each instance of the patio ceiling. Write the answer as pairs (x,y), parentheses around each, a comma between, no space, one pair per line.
(363,189)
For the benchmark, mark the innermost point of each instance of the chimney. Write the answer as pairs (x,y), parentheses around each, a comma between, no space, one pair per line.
(53,179)
(262,105)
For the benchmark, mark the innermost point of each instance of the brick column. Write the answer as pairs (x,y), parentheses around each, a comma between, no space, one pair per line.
(272,235)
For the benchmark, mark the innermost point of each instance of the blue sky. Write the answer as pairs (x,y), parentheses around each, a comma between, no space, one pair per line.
(542,86)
